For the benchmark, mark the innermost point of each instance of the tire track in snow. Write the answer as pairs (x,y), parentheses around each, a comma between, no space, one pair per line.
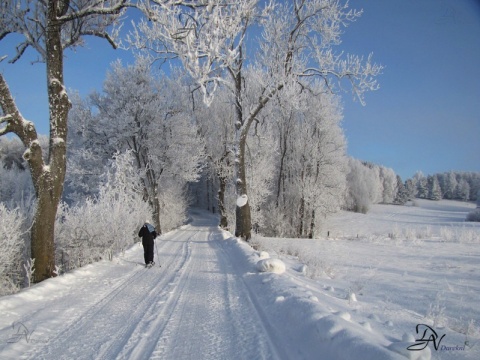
(148,329)
(73,327)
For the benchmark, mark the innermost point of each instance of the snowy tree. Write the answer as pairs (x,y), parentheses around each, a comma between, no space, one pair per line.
(12,243)
(104,224)
(410,189)
(402,195)
(49,27)
(390,185)
(85,163)
(449,185)
(434,191)
(306,29)
(474,215)
(311,163)
(422,188)
(148,114)
(363,186)
(462,191)
(216,122)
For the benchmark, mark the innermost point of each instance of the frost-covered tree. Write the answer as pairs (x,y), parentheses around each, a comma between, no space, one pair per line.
(462,190)
(422,187)
(362,186)
(16,188)
(104,224)
(215,123)
(49,27)
(292,33)
(390,185)
(12,243)
(449,185)
(85,161)
(311,164)
(434,191)
(150,115)
(474,215)
(410,189)
(402,194)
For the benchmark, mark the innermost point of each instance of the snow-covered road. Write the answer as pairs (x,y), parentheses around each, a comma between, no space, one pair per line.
(195,306)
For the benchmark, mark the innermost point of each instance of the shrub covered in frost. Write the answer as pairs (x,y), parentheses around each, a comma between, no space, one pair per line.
(12,248)
(104,225)
(474,215)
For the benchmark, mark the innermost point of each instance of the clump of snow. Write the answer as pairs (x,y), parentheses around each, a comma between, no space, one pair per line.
(58,141)
(302,269)
(242,200)
(345,315)
(351,297)
(276,266)
(263,255)
(366,325)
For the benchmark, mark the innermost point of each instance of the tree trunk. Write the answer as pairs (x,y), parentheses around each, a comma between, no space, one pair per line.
(48,181)
(221,201)
(243,223)
(312,226)
(156,213)
(42,235)
(301,217)
(243,219)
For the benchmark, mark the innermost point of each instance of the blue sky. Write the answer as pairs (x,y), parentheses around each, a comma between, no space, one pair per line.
(426,115)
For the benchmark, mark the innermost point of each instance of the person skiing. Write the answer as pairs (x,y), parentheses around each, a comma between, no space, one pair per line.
(148,234)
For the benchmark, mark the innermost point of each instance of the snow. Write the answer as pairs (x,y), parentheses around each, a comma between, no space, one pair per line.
(271,265)
(242,200)
(208,300)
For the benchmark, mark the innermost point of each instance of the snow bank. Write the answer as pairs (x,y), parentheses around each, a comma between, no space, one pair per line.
(307,327)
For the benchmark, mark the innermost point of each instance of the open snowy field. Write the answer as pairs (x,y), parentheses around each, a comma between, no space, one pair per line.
(345,297)
(398,266)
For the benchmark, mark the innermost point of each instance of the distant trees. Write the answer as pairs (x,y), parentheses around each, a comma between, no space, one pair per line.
(449,185)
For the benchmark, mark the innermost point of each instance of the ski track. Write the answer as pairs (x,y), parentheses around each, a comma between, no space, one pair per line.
(186,309)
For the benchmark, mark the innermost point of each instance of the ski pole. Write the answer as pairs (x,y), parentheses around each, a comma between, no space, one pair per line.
(156,249)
